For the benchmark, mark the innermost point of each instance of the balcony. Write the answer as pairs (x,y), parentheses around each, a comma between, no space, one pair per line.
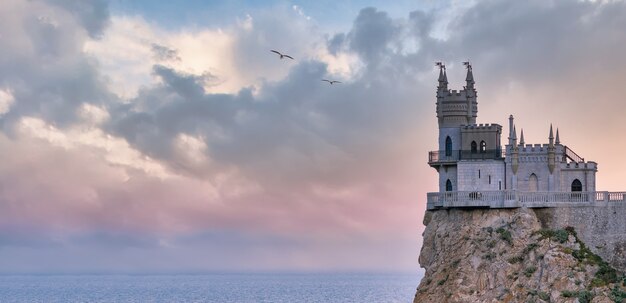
(515,199)
(440,157)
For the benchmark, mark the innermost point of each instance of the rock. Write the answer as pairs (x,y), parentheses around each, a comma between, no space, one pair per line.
(500,256)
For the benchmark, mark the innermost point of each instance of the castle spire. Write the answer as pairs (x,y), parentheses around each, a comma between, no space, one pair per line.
(510,130)
(521,136)
(551,137)
(558,141)
(443,77)
(470,76)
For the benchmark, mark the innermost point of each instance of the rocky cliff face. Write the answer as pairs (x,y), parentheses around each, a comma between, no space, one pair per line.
(506,256)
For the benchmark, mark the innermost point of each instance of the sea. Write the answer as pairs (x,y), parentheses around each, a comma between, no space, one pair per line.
(215,287)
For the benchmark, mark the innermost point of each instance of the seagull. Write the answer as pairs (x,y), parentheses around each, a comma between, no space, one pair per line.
(282,56)
(331,82)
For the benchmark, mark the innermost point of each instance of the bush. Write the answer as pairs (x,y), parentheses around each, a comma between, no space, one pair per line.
(516,259)
(544,296)
(618,295)
(490,256)
(569,294)
(442,281)
(505,235)
(607,273)
(531,247)
(561,235)
(529,271)
(584,296)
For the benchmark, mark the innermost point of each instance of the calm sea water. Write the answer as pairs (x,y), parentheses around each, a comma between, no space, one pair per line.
(210,288)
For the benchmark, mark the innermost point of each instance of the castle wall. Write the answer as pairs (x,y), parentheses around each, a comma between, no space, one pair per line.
(449,172)
(585,172)
(455,135)
(490,133)
(534,159)
(469,179)
(602,227)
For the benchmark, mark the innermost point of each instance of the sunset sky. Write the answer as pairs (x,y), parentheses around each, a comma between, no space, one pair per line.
(164,136)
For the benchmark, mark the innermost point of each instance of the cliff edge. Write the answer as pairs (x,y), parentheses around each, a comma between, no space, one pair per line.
(507,255)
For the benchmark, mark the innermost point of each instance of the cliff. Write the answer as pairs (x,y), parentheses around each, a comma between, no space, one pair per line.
(510,255)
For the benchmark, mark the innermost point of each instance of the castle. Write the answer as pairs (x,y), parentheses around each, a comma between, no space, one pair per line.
(474,170)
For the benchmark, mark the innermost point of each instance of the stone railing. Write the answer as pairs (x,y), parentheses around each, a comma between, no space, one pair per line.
(513,199)
(442,156)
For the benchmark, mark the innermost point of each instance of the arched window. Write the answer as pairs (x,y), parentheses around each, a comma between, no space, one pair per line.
(448,146)
(483,146)
(577,186)
(533,183)
(474,147)
(448,185)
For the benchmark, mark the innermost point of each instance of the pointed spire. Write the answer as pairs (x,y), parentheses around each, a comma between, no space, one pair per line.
(558,141)
(551,137)
(443,78)
(514,134)
(521,137)
(470,76)
(510,129)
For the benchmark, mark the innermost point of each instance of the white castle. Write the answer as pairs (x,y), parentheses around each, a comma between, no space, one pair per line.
(474,170)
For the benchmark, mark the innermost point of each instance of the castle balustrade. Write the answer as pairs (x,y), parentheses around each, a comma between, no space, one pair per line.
(514,199)
(452,156)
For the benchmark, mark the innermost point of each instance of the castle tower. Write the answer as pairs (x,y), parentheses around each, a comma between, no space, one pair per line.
(463,143)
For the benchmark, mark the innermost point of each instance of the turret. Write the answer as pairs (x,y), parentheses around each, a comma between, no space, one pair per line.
(469,79)
(443,77)
(510,130)
(551,137)
(455,108)
(558,141)
(551,152)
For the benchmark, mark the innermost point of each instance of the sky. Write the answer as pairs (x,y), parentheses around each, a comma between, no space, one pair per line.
(153,137)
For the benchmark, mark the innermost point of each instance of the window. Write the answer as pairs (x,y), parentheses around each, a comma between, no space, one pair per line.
(448,185)
(489,179)
(577,186)
(474,147)
(533,183)
(483,146)
(448,146)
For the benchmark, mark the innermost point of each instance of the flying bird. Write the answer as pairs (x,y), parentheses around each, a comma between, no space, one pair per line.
(331,82)
(282,56)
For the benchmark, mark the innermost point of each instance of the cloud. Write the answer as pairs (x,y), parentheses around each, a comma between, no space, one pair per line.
(164,53)
(93,15)
(125,137)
